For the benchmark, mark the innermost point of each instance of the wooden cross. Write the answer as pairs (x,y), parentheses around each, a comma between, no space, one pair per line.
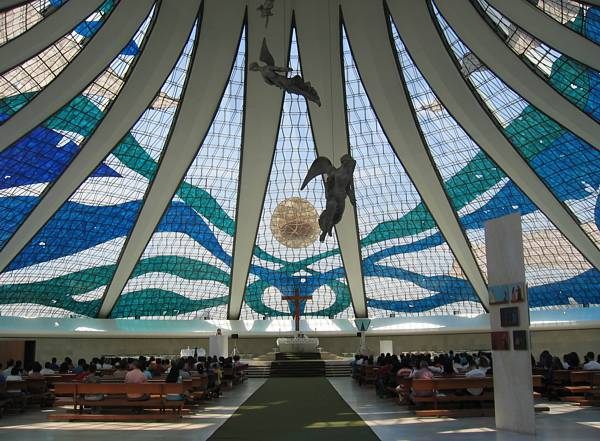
(296,299)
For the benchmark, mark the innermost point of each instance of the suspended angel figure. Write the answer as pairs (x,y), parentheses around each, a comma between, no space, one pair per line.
(272,77)
(338,185)
(266,10)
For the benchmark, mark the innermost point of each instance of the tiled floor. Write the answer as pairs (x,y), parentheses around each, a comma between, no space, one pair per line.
(33,425)
(392,422)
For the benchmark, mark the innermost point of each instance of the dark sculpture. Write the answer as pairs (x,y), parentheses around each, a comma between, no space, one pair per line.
(270,74)
(266,10)
(337,185)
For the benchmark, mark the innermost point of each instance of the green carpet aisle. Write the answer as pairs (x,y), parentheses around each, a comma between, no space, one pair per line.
(307,409)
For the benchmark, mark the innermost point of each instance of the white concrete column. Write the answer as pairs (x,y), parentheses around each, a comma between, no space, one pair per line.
(551,32)
(492,51)
(320,49)
(161,51)
(261,126)
(119,28)
(218,36)
(376,62)
(419,33)
(46,32)
(513,383)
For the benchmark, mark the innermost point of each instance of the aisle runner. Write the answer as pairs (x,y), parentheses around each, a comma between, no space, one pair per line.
(295,409)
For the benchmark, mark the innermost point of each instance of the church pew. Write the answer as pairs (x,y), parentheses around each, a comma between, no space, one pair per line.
(115,397)
(446,392)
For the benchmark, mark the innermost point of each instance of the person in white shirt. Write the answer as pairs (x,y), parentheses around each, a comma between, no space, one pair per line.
(14,376)
(477,372)
(458,367)
(46,370)
(435,369)
(9,367)
(590,364)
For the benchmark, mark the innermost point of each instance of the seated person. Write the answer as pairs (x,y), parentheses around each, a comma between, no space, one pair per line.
(36,371)
(404,373)
(105,364)
(175,376)
(47,369)
(10,364)
(147,371)
(15,375)
(477,372)
(81,364)
(436,367)
(590,364)
(121,371)
(423,373)
(84,373)
(458,366)
(95,379)
(355,366)
(136,376)
(63,368)
(2,376)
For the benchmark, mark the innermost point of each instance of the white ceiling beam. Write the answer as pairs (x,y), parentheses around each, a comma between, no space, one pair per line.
(376,61)
(492,51)
(551,32)
(261,124)
(320,53)
(119,28)
(219,33)
(46,32)
(166,40)
(428,51)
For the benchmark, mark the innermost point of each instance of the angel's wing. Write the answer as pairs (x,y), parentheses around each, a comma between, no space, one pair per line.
(319,166)
(265,55)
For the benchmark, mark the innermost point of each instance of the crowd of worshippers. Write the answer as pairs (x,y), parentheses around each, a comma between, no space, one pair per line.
(392,368)
(126,370)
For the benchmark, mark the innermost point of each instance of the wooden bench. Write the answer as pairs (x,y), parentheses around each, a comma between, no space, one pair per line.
(577,386)
(115,397)
(368,374)
(38,392)
(452,391)
(65,394)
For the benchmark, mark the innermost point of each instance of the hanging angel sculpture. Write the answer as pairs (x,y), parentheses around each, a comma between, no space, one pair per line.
(271,75)
(338,185)
(266,10)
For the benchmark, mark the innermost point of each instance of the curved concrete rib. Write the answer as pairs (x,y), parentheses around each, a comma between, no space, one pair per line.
(261,123)
(484,42)
(376,62)
(120,26)
(428,51)
(46,32)
(168,36)
(216,47)
(8,4)
(561,38)
(322,65)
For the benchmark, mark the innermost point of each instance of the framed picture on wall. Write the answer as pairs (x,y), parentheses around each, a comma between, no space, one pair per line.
(520,340)
(509,316)
(499,294)
(517,292)
(500,341)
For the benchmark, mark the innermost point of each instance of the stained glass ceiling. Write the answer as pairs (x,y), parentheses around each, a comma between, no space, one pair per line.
(204,252)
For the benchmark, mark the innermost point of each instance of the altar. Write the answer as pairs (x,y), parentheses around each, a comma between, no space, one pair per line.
(298,344)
